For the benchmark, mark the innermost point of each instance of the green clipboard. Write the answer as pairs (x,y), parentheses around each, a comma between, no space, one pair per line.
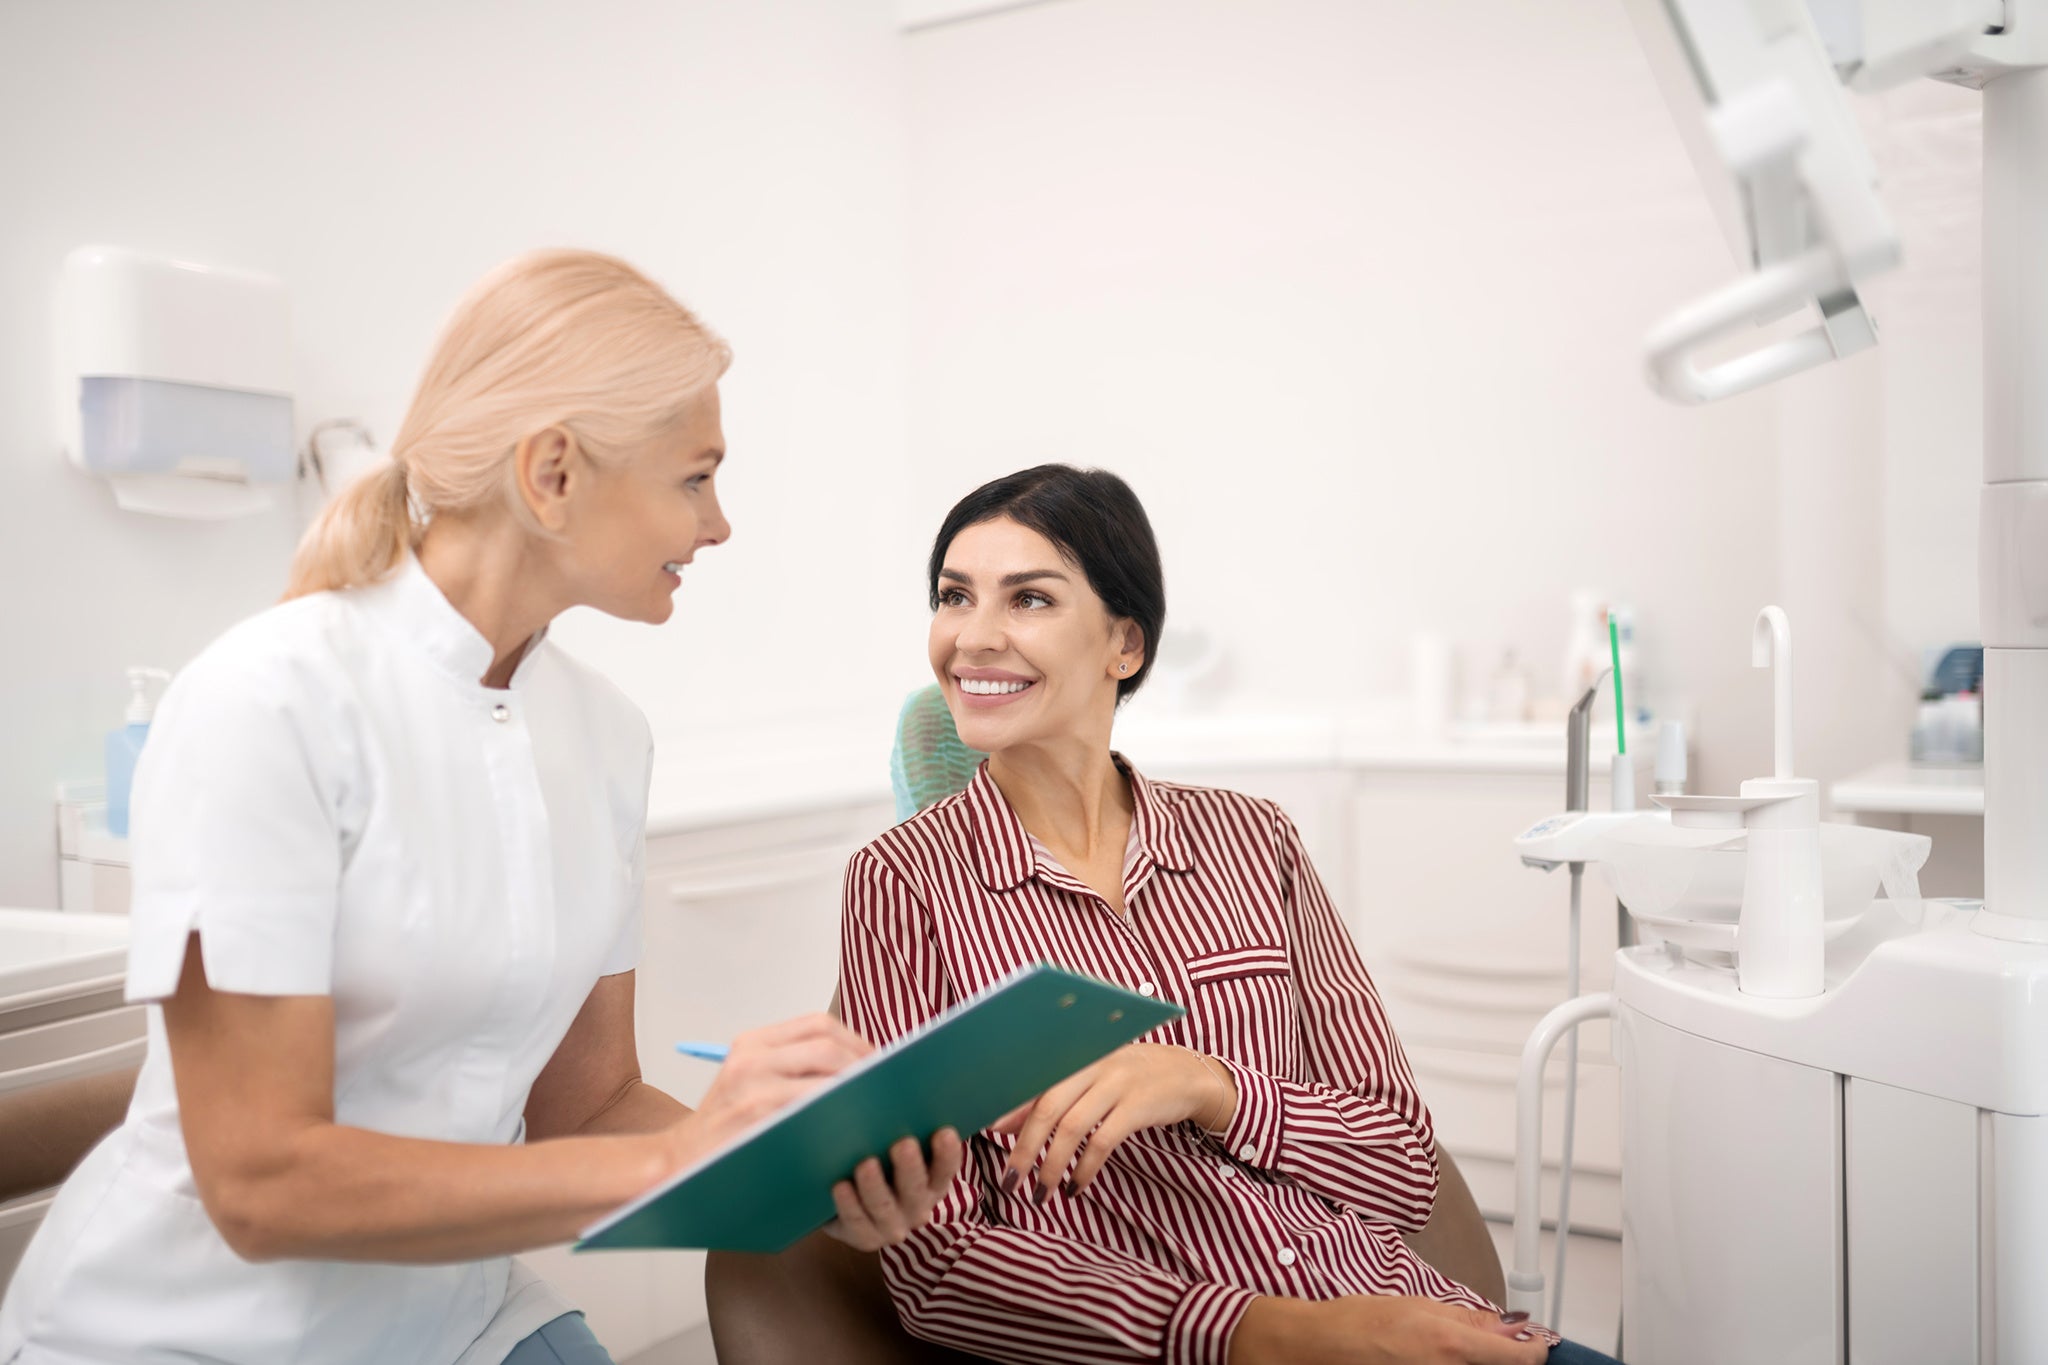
(963,1070)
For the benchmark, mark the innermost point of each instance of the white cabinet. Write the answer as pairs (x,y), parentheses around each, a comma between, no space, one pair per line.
(1467,946)
(1468,949)
(92,864)
(742,930)
(61,1018)
(1313,798)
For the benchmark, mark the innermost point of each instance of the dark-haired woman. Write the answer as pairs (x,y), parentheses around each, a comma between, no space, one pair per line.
(1231,1191)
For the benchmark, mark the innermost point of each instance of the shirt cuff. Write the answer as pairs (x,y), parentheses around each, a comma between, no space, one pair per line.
(1200,1328)
(1255,1131)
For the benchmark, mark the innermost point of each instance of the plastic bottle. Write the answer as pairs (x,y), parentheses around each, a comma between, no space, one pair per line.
(1631,662)
(124,746)
(1508,697)
(1585,652)
(1671,758)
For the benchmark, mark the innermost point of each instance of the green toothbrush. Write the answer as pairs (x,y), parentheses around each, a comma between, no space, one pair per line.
(1614,650)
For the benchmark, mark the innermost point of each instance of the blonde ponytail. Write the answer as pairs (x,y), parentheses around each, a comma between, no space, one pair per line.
(359,537)
(560,338)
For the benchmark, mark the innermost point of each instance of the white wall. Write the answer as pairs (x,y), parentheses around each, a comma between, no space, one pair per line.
(1353,292)
(378,157)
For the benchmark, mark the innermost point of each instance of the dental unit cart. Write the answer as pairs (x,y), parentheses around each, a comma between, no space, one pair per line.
(1810,1173)
(1834,1107)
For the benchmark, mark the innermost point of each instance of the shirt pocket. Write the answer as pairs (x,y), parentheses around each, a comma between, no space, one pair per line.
(1237,964)
(1241,1006)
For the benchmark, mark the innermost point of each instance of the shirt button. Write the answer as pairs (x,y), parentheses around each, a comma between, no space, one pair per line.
(1285,1256)
(501,712)
(1147,988)
(1227,1172)
(1248,1152)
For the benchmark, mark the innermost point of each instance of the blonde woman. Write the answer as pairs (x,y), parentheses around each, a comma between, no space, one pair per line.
(387,854)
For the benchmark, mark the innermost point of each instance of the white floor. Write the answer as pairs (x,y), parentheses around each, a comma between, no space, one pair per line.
(1592,1299)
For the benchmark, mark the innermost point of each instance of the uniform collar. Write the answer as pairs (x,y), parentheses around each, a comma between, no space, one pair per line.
(1003,854)
(413,605)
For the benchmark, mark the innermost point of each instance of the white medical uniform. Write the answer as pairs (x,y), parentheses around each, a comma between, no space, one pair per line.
(337,806)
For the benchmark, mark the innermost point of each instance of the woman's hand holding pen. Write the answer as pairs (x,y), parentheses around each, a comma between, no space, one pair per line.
(1143,1085)
(769,1067)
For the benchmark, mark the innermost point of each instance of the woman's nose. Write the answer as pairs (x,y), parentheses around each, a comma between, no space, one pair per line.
(715,529)
(981,633)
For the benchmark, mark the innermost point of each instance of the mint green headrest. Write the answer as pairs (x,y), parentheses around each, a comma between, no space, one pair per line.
(929,763)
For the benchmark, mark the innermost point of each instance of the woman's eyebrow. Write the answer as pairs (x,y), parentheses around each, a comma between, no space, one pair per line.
(1008,580)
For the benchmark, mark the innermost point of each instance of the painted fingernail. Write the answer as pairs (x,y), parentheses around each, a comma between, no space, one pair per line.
(1514,1317)
(1010,1179)
(1040,1193)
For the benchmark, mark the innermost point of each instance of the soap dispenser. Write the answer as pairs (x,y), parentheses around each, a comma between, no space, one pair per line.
(124,745)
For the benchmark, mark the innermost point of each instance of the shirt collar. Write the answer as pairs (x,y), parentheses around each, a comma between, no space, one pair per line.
(1003,854)
(413,605)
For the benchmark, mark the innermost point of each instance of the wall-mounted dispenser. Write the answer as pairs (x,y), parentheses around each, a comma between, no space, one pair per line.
(175,382)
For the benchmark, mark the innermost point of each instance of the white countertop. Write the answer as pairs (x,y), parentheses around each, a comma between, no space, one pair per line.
(42,951)
(743,775)
(1910,789)
(805,768)
(687,795)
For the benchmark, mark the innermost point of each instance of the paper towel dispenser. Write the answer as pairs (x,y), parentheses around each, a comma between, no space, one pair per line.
(175,382)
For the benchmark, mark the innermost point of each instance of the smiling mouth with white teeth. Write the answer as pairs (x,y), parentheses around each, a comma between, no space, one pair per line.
(976,687)
(674,566)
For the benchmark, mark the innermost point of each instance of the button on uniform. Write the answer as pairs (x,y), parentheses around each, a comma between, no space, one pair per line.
(1285,1256)
(1248,1152)
(1147,988)
(501,712)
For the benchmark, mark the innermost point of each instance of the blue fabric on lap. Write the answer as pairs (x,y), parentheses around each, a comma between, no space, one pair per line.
(565,1341)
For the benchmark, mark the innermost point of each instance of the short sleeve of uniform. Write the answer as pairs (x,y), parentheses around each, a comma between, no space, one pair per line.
(624,954)
(233,833)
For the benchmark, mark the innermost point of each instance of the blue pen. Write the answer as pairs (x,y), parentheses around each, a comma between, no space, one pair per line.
(709,1052)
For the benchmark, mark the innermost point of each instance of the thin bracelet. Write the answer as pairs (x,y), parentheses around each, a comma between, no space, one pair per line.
(1222,1074)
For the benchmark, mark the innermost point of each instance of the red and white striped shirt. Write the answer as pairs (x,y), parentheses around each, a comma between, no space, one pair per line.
(1330,1153)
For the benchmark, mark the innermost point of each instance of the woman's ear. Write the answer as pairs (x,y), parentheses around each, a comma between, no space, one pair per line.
(548,464)
(1130,644)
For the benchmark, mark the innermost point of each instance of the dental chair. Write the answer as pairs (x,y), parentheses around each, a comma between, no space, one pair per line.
(45,1131)
(822,1301)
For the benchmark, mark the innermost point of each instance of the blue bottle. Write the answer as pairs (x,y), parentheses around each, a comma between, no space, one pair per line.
(124,746)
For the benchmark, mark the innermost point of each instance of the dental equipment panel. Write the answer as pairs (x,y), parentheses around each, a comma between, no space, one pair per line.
(1777,1068)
